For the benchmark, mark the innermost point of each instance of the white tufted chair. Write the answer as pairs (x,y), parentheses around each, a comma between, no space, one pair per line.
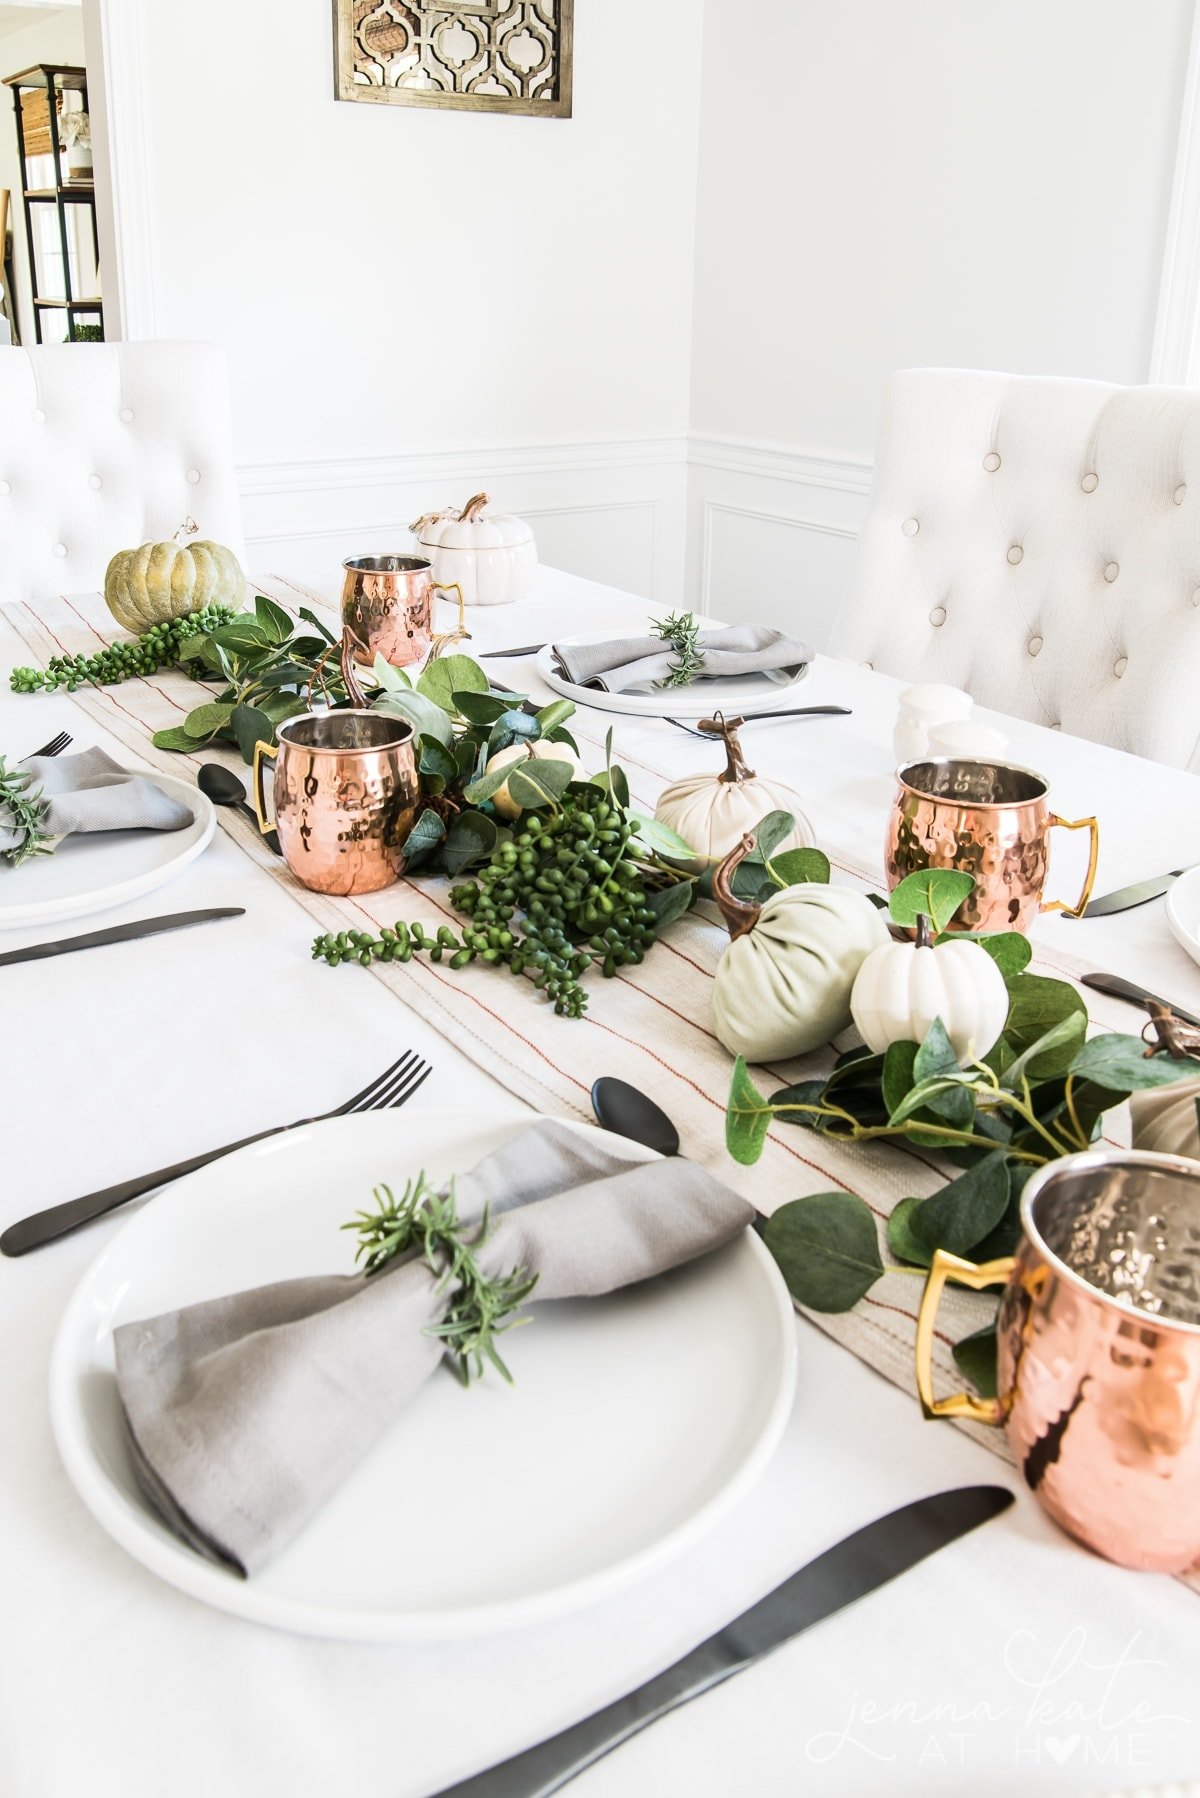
(104,446)
(1037,542)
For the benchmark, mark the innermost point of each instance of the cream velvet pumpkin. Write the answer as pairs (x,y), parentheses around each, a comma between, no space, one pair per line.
(783,985)
(902,987)
(1165,1120)
(713,812)
(544,751)
(490,555)
(161,581)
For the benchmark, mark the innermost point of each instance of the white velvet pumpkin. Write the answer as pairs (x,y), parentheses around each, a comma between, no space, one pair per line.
(783,985)
(161,581)
(502,799)
(490,555)
(1165,1120)
(713,812)
(902,987)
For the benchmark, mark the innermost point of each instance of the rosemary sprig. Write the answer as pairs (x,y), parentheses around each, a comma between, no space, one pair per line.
(682,633)
(480,1308)
(21,809)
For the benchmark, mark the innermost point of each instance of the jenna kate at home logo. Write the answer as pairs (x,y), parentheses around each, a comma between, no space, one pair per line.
(1054,1703)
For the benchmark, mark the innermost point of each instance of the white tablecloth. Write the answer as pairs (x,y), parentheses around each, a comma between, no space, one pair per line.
(1015,1658)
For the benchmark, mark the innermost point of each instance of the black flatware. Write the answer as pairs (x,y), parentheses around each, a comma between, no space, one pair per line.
(1127,898)
(394,1087)
(55,746)
(851,1570)
(1135,995)
(523,649)
(222,786)
(801,711)
(121,933)
(627,1111)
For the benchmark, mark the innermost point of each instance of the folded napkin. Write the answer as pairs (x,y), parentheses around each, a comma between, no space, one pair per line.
(247,1412)
(88,792)
(627,662)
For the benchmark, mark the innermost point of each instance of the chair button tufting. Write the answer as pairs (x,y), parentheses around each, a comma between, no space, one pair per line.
(126,415)
(1034,646)
(938,616)
(991,462)
(1112,571)
(910,527)
(60,550)
(1180,493)
(1090,482)
(1120,665)
(193,475)
(95,483)
(1016,554)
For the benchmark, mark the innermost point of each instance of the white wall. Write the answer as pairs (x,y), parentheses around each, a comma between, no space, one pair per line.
(50,36)
(403,291)
(886,186)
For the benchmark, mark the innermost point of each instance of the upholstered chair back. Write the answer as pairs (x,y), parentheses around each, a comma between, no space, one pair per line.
(1037,542)
(104,446)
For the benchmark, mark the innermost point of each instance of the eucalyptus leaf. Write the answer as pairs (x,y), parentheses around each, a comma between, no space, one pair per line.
(388,678)
(1121,1064)
(902,1240)
(536,782)
(174,738)
(282,674)
(435,758)
(551,716)
(827,1249)
(559,735)
(793,1103)
(975,1357)
(747,1119)
(935,1055)
(310,617)
(962,1213)
(242,632)
(206,720)
(445,676)
(471,839)
(661,839)
(898,1076)
(509,728)
(251,726)
(1036,1005)
(669,903)
(1067,1034)
(1010,951)
(800,867)
(427,718)
(770,831)
(935,893)
(614,782)
(485,708)
(481,789)
(423,840)
(274,621)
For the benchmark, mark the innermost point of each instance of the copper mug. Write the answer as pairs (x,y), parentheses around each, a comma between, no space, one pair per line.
(345,796)
(1098,1365)
(387,606)
(989,819)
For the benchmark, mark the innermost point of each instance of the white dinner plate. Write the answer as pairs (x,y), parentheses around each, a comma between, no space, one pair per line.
(740,696)
(88,873)
(633,1424)
(1183,912)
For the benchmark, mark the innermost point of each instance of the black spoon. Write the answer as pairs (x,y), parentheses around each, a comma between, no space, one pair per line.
(222,786)
(626,1111)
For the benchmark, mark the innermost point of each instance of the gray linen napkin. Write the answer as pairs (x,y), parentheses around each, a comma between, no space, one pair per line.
(90,791)
(246,1413)
(627,662)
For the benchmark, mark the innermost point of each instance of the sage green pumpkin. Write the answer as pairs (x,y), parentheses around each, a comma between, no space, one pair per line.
(161,581)
(1165,1119)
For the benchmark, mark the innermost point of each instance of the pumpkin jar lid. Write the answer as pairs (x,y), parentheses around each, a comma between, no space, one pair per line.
(474,512)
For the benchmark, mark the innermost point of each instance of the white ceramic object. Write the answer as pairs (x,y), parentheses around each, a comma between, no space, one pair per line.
(921,708)
(966,739)
(88,873)
(1183,912)
(633,1424)
(743,695)
(490,555)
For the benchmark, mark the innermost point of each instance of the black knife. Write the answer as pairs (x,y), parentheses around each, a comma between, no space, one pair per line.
(525,649)
(1126,898)
(120,933)
(1136,995)
(851,1570)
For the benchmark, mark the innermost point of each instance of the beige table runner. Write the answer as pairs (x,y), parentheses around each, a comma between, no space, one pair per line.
(650,1025)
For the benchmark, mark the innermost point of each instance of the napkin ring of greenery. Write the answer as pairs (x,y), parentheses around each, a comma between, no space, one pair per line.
(481,1307)
(682,633)
(23,809)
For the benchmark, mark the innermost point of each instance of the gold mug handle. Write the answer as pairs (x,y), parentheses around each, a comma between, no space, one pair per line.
(447,639)
(977,1275)
(1089,879)
(261,748)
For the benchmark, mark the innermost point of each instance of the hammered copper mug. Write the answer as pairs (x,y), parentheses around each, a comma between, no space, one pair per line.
(387,606)
(991,820)
(1098,1351)
(345,795)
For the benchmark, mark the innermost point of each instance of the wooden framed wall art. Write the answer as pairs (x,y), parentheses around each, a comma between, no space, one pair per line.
(480,55)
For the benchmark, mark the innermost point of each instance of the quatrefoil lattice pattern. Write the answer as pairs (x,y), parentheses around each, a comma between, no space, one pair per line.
(485,55)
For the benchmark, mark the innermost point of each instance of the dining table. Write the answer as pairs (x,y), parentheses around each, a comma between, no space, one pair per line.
(1015,1659)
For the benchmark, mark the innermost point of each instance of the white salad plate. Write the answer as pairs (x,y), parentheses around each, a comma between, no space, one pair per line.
(738,696)
(1183,912)
(88,873)
(633,1423)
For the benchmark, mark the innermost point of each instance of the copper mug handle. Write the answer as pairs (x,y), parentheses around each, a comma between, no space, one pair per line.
(978,1275)
(261,749)
(1089,879)
(447,639)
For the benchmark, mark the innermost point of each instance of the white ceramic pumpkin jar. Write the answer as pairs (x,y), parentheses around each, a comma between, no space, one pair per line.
(713,812)
(491,556)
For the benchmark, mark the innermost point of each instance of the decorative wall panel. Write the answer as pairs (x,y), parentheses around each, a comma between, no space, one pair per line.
(482,55)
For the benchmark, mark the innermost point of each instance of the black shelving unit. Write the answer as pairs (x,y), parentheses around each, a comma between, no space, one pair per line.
(54,80)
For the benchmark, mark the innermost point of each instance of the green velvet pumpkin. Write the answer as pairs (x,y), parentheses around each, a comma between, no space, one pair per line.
(161,581)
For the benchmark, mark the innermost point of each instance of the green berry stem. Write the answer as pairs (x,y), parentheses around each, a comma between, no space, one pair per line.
(127,659)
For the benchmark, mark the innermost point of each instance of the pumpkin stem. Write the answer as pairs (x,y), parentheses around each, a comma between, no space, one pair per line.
(924,932)
(727,729)
(473,510)
(418,524)
(188,528)
(739,914)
